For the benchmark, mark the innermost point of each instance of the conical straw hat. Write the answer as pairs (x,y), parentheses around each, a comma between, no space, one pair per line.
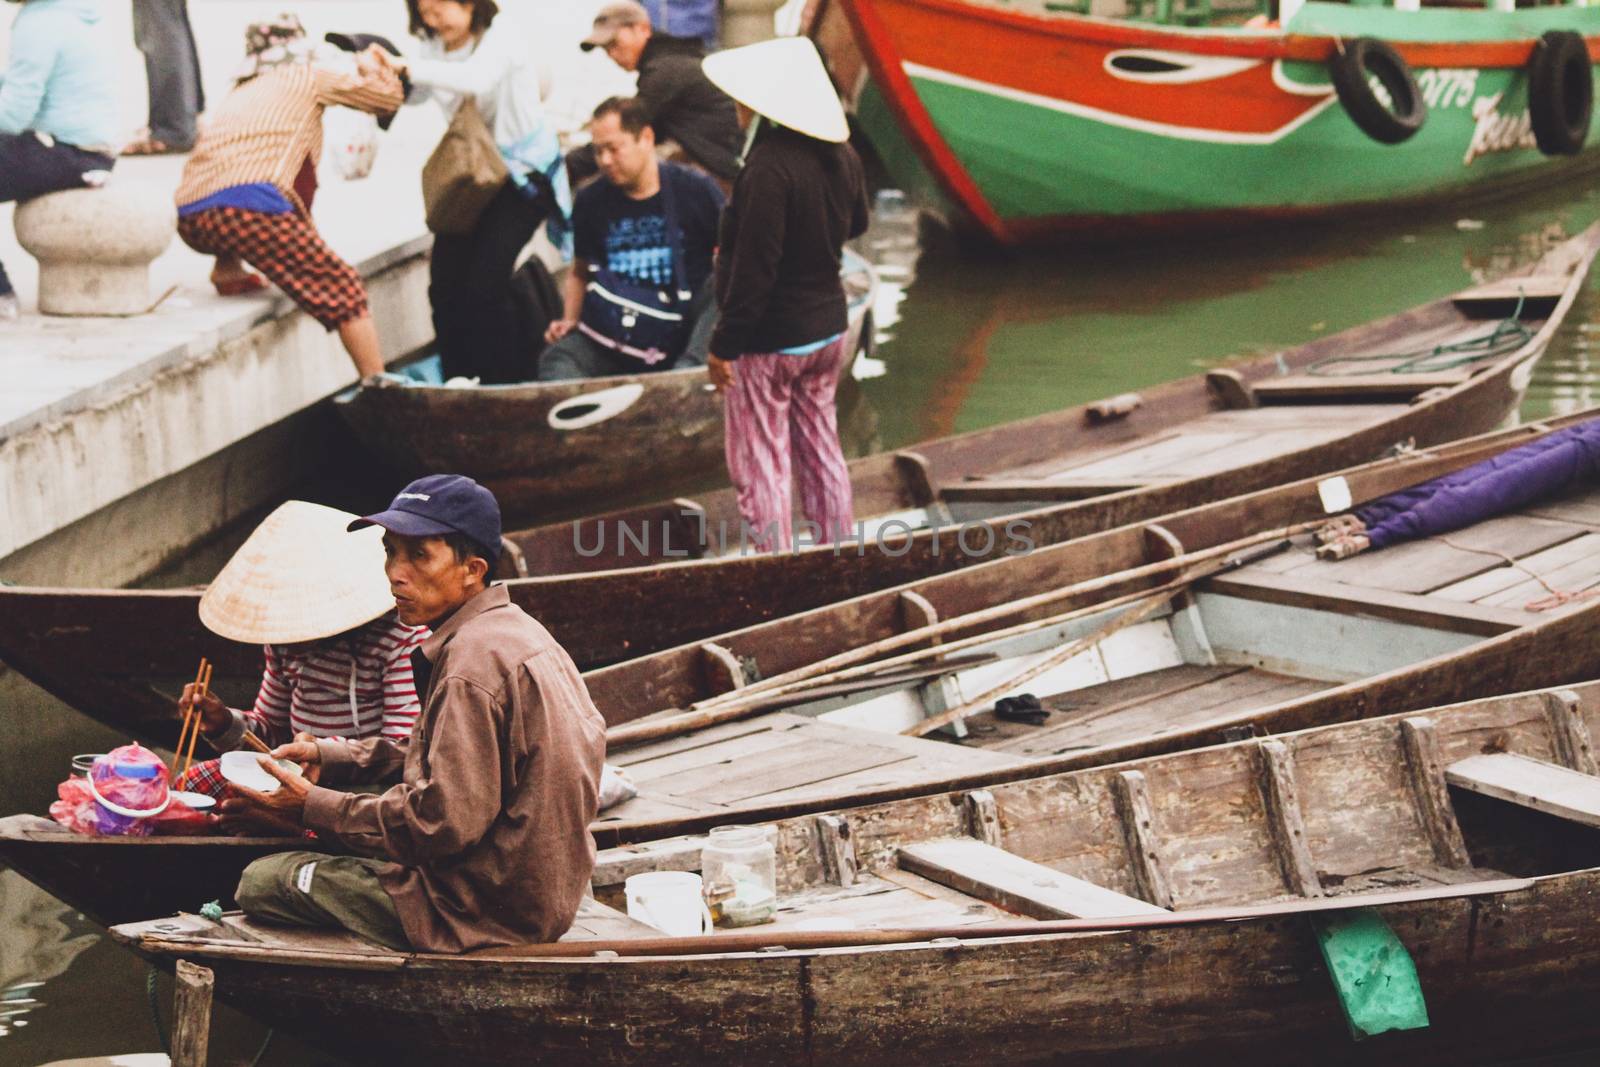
(299,577)
(783,80)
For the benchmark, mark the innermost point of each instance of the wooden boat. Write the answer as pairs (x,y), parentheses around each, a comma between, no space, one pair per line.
(551,445)
(1032,120)
(119,655)
(1284,643)
(1167,908)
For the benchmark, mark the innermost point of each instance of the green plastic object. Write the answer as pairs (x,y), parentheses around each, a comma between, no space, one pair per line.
(1372,972)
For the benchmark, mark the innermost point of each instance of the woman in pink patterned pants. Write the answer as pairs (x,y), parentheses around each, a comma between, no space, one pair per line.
(800,196)
(781,409)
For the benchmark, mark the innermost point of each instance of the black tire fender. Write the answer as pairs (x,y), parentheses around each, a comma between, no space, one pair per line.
(1560,92)
(1352,70)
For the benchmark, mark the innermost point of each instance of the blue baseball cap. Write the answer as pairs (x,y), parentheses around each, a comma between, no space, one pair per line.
(442,504)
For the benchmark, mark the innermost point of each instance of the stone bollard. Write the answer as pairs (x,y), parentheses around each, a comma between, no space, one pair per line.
(748,21)
(95,246)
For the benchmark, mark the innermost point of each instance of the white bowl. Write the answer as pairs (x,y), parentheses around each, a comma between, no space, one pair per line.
(197,801)
(243,768)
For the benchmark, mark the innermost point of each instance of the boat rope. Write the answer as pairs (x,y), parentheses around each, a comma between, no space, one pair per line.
(1557,597)
(150,975)
(1508,335)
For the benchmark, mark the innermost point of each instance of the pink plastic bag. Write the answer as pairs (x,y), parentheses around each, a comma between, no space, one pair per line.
(123,793)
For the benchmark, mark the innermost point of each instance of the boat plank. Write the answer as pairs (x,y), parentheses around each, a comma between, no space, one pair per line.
(809,761)
(1435,562)
(702,758)
(1409,608)
(1155,457)
(1224,695)
(1292,387)
(1014,883)
(1073,706)
(1481,586)
(600,922)
(1257,448)
(1576,576)
(1582,508)
(1531,783)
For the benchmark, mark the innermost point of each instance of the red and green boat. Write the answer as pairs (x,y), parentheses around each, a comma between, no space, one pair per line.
(1026,121)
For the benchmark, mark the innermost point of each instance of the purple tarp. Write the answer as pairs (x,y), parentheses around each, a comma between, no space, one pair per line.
(1539,470)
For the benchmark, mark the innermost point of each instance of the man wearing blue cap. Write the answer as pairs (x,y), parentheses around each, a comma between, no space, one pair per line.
(485,840)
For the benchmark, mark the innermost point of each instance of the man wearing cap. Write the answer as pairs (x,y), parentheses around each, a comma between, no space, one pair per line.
(485,839)
(685,108)
(242,199)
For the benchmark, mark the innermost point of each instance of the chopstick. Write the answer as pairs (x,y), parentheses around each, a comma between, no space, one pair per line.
(256,743)
(191,723)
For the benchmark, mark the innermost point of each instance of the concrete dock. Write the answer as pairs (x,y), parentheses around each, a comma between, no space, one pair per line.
(123,441)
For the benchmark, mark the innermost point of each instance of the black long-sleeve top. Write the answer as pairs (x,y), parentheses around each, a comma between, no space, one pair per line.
(794,205)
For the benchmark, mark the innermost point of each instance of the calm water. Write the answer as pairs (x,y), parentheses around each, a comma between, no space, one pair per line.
(966,341)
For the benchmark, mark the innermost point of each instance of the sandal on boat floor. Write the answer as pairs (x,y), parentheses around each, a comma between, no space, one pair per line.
(1344,547)
(239,286)
(1024,707)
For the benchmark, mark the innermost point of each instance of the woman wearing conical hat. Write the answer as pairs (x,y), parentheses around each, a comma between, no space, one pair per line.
(779,347)
(338,660)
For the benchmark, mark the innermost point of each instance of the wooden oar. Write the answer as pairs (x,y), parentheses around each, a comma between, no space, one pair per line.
(1157,600)
(752,699)
(773,940)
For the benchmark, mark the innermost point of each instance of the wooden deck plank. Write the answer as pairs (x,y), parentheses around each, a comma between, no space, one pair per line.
(601,922)
(1409,608)
(1577,576)
(810,761)
(1014,883)
(1153,458)
(1229,690)
(1530,783)
(1582,508)
(719,753)
(1315,387)
(994,734)
(1548,562)
(1423,566)
(1256,448)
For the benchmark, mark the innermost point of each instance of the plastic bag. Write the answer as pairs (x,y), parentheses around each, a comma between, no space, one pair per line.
(615,786)
(123,792)
(351,137)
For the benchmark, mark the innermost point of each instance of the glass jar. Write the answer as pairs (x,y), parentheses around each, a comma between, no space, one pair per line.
(739,876)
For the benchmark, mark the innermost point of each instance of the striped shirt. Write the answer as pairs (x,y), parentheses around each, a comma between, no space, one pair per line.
(353,686)
(269,126)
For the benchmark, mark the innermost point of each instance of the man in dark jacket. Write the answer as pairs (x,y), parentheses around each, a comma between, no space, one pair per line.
(685,108)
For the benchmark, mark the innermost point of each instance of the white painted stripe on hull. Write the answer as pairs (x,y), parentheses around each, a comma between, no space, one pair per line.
(1110,118)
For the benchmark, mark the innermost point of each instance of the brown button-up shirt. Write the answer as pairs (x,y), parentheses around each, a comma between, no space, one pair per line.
(489,826)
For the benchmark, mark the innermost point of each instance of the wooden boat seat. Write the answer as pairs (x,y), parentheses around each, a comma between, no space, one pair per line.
(1053,490)
(1538,293)
(1531,783)
(1292,388)
(1008,881)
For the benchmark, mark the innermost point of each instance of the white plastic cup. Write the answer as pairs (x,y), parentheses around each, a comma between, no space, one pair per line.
(670,901)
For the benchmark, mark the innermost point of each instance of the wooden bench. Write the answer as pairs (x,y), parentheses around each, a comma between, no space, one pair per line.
(1352,387)
(1005,880)
(1531,783)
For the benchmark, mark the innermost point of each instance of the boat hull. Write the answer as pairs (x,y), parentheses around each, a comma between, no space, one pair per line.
(550,446)
(1026,127)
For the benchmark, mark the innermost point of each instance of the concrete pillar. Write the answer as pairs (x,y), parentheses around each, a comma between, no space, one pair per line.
(95,246)
(747,21)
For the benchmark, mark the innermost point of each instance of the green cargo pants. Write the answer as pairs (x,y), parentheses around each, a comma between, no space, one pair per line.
(315,889)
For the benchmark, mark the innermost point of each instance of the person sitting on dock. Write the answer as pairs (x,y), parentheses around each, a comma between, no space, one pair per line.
(694,121)
(485,839)
(338,658)
(644,236)
(240,196)
(58,108)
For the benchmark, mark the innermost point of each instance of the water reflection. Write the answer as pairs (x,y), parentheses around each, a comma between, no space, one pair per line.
(39,939)
(964,342)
